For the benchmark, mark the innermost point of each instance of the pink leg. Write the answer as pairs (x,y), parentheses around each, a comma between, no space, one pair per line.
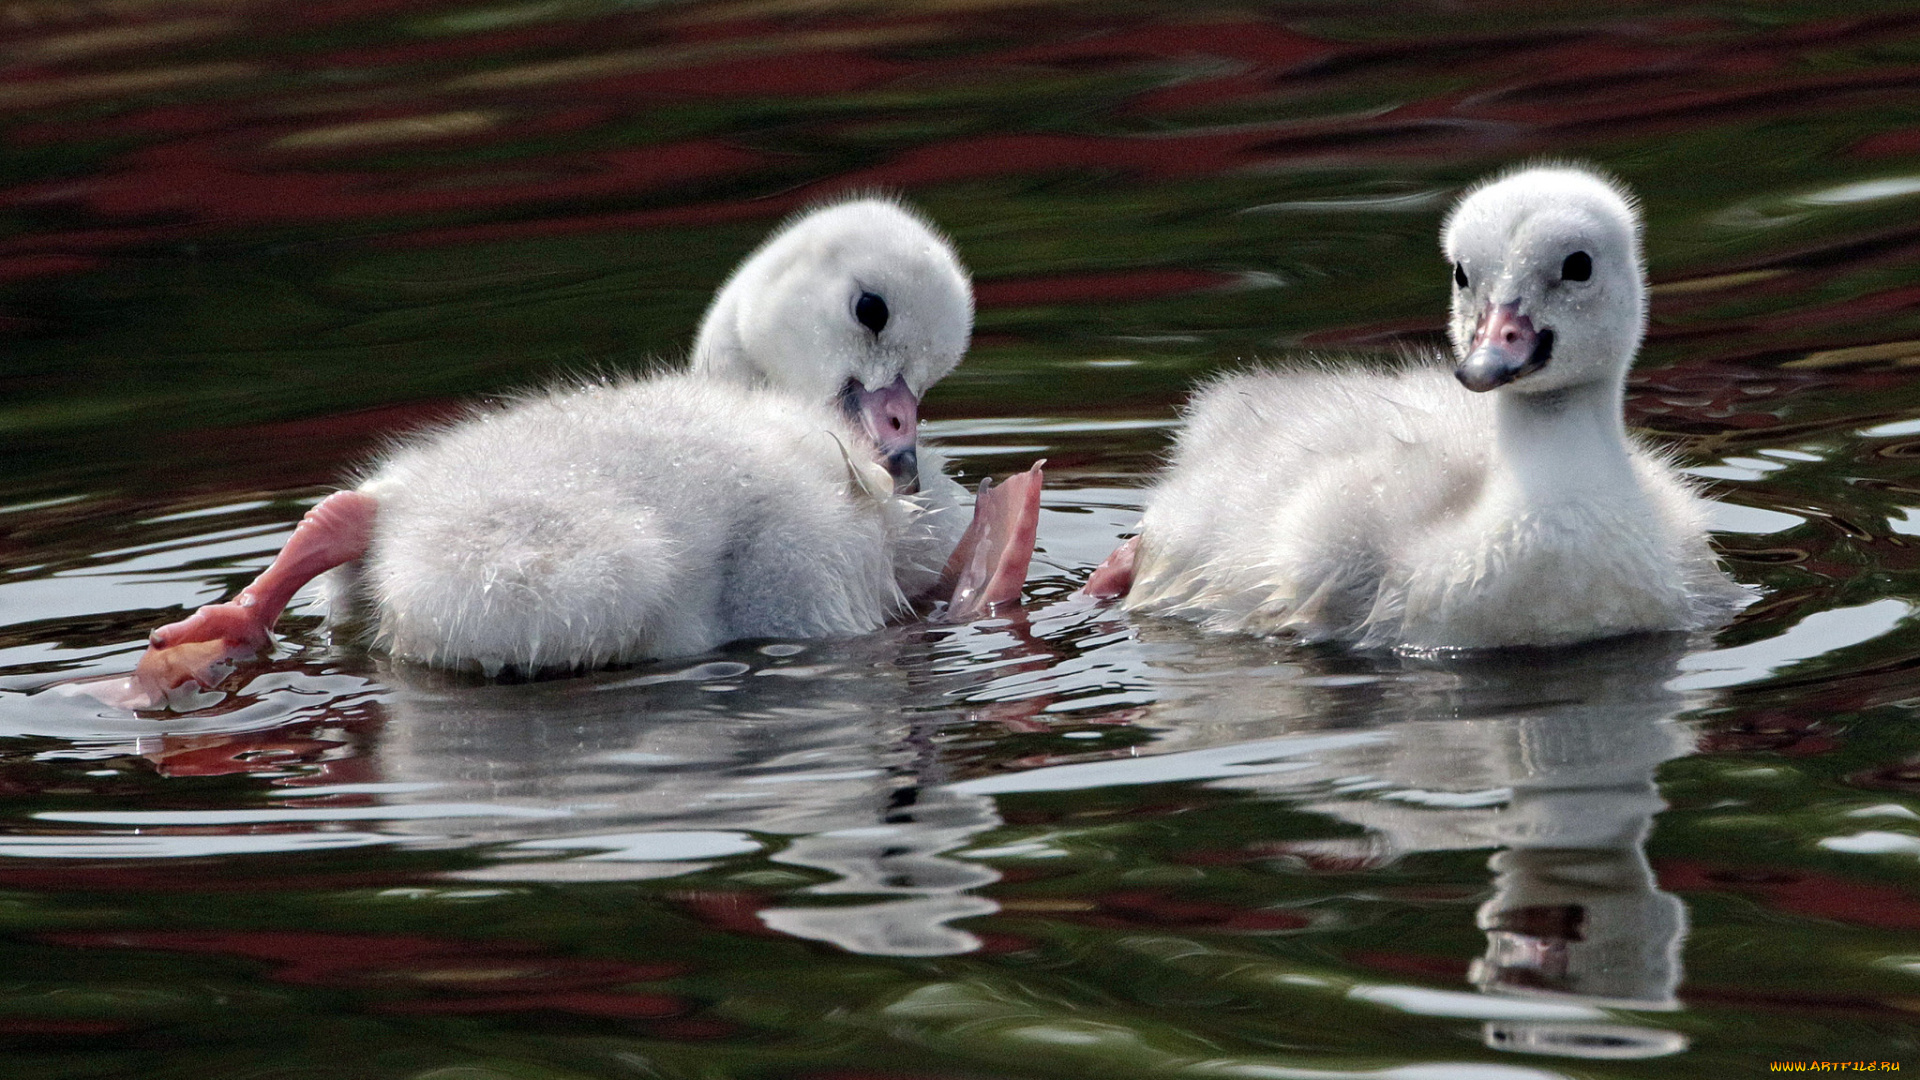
(989,564)
(203,647)
(1113,577)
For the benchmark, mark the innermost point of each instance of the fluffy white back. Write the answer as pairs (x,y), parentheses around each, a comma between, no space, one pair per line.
(652,518)
(1290,489)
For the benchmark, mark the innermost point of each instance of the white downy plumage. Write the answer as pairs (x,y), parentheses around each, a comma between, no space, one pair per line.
(663,515)
(1396,509)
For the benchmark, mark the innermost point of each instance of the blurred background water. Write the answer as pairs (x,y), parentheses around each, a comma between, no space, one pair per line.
(242,242)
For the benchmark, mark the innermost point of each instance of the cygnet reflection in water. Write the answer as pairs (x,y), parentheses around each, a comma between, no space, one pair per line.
(1551,758)
(652,774)
(1547,756)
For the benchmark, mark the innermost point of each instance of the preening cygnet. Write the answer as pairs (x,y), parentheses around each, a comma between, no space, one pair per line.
(1396,509)
(777,488)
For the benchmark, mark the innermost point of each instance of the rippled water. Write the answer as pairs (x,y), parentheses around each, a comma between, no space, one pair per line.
(245,241)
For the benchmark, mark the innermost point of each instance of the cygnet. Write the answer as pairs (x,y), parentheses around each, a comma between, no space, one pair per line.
(1394,509)
(775,488)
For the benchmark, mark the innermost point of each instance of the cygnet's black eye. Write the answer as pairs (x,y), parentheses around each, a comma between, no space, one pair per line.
(1460,275)
(871,310)
(1578,267)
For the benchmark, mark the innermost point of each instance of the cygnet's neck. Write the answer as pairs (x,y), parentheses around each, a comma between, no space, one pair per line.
(1564,444)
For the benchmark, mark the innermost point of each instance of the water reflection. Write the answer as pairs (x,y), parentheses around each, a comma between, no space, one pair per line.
(1549,757)
(824,752)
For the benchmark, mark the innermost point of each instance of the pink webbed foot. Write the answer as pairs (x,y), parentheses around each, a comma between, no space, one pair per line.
(989,565)
(205,647)
(202,648)
(1114,577)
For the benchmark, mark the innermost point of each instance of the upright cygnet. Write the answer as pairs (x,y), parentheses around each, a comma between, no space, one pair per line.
(777,488)
(1392,509)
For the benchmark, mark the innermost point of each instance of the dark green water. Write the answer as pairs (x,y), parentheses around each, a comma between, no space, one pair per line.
(241,243)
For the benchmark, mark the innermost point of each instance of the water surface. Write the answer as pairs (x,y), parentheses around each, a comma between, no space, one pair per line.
(242,243)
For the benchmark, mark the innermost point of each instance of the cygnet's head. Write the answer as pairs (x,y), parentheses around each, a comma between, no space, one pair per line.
(859,303)
(1548,287)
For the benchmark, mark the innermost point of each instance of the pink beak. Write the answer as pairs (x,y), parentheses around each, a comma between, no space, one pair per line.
(891,418)
(1505,348)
